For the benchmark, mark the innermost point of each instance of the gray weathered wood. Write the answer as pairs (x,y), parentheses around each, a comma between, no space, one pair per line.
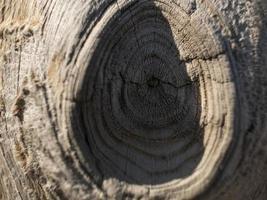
(133,99)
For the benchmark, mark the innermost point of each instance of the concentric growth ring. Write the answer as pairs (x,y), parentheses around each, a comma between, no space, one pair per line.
(154,106)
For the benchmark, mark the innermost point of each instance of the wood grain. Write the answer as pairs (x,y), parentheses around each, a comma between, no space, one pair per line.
(133,99)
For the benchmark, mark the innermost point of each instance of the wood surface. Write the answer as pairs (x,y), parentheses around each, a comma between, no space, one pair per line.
(133,99)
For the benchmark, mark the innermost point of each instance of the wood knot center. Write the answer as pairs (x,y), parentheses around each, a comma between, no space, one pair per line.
(153,82)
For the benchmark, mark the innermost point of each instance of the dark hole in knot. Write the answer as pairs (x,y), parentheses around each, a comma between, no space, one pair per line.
(153,82)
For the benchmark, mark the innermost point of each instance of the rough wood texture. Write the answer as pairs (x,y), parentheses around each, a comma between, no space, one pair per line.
(133,99)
